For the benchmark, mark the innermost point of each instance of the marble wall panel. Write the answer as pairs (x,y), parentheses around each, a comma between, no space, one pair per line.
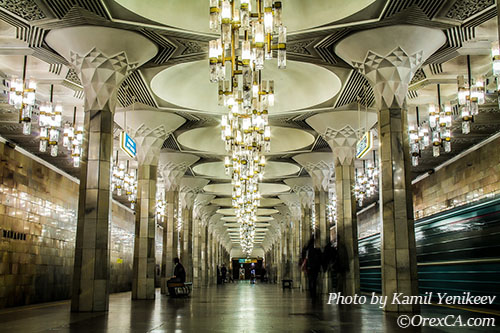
(471,178)
(38,212)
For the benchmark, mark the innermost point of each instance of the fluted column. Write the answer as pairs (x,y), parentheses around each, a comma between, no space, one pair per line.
(101,68)
(303,188)
(341,129)
(149,129)
(172,166)
(169,238)
(320,167)
(389,67)
(347,228)
(189,188)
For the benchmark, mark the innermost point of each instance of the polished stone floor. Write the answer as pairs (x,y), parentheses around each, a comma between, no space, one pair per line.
(238,307)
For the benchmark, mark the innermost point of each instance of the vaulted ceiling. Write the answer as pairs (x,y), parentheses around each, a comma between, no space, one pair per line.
(317,80)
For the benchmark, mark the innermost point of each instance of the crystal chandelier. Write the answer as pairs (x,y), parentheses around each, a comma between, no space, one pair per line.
(470,95)
(22,97)
(419,139)
(366,182)
(331,208)
(440,121)
(124,181)
(50,121)
(236,61)
(161,204)
(73,140)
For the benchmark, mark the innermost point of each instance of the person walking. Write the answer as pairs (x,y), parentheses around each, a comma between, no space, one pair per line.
(223,271)
(312,266)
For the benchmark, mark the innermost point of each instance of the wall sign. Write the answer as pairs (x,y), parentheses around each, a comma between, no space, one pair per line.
(364,145)
(128,145)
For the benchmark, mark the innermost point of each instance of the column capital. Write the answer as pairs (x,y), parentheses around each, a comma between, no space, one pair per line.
(320,167)
(303,187)
(173,166)
(341,130)
(150,129)
(101,65)
(101,75)
(389,56)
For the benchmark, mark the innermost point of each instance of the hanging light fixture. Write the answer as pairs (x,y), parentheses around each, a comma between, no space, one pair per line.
(235,64)
(471,94)
(440,121)
(331,208)
(50,121)
(22,97)
(73,139)
(419,138)
(161,204)
(366,180)
(124,181)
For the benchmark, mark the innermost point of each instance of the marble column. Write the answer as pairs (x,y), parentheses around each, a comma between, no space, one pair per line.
(292,201)
(189,188)
(303,188)
(341,129)
(200,207)
(102,67)
(149,129)
(389,67)
(172,167)
(347,228)
(320,167)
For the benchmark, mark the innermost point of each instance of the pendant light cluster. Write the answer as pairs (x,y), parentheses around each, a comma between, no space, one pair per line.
(366,180)
(161,204)
(22,97)
(437,130)
(331,208)
(440,120)
(471,94)
(124,181)
(50,121)
(73,140)
(236,61)
(419,139)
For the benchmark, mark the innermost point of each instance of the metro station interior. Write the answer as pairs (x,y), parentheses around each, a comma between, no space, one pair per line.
(249,166)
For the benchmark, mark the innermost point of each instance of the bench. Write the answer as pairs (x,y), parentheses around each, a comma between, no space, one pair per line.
(287,283)
(179,288)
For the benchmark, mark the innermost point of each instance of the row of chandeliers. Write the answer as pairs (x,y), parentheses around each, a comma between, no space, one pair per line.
(22,95)
(236,60)
(436,132)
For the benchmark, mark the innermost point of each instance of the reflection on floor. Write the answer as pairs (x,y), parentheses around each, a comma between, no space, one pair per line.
(238,307)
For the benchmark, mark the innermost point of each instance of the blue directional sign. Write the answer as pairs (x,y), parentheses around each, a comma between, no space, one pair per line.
(128,145)
(364,145)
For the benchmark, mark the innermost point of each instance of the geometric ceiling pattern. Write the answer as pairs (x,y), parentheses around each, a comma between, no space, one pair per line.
(467,24)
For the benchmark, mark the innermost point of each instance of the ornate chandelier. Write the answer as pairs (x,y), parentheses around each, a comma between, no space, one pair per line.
(124,181)
(22,97)
(73,140)
(366,181)
(50,121)
(161,204)
(471,95)
(236,61)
